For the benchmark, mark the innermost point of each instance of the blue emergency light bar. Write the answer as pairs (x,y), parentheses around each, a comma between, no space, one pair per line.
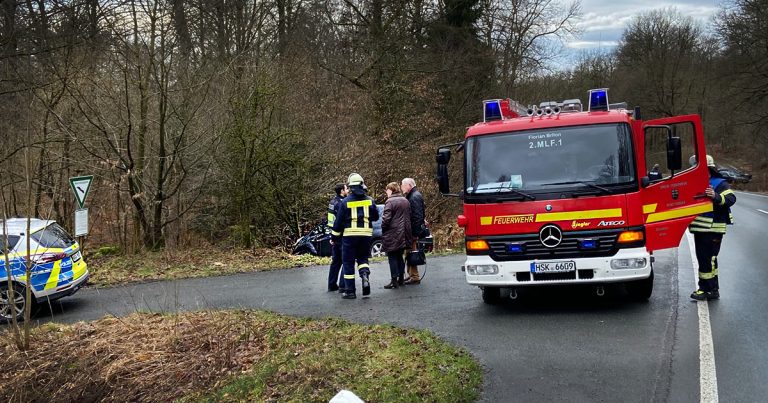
(491,110)
(598,100)
(588,244)
(515,248)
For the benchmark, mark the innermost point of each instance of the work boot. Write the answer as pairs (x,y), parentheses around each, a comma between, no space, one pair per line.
(392,284)
(333,288)
(366,284)
(342,290)
(348,295)
(700,295)
(411,281)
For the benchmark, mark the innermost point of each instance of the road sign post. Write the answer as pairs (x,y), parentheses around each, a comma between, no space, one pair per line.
(81,185)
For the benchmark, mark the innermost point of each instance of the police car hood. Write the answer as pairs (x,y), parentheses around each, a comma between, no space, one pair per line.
(525,217)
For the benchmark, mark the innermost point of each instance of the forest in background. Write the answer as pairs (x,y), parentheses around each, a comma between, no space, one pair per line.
(229,121)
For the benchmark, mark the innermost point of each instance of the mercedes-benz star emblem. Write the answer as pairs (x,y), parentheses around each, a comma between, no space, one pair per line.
(550,236)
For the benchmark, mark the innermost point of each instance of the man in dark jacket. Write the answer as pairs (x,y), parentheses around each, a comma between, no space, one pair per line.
(334,281)
(708,230)
(354,229)
(418,224)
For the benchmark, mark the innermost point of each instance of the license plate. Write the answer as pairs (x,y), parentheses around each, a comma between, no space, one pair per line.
(77,256)
(553,267)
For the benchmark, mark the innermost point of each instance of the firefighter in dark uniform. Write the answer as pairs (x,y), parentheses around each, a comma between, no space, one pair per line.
(353,228)
(708,230)
(334,281)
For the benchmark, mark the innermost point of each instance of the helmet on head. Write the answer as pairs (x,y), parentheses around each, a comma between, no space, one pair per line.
(710,161)
(355,179)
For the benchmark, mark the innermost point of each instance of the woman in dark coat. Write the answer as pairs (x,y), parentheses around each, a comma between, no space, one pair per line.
(396,233)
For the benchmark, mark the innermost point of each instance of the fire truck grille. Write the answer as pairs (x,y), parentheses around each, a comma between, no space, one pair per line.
(573,245)
(582,275)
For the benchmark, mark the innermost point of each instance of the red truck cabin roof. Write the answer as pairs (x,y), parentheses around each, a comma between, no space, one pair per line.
(547,121)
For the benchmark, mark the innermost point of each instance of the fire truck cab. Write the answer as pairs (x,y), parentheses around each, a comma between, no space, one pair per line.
(554,194)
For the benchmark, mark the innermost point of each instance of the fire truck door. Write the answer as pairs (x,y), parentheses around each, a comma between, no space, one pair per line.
(673,192)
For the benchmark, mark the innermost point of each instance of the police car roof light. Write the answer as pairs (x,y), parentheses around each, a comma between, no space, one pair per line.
(492,110)
(598,100)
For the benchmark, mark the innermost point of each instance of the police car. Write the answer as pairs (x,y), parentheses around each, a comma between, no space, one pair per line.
(58,269)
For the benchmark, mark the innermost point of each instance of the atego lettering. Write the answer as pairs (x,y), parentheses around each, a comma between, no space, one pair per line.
(610,223)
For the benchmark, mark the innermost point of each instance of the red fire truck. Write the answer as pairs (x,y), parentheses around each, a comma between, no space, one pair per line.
(554,194)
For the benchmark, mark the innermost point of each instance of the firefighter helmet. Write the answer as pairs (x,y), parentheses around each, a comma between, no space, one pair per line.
(355,179)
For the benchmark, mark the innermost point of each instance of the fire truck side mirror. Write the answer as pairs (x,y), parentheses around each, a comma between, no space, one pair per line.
(674,153)
(443,156)
(442,179)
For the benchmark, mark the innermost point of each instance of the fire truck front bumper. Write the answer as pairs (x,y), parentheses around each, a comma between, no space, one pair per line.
(626,265)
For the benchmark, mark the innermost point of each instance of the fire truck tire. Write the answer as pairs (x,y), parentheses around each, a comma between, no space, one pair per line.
(491,295)
(641,290)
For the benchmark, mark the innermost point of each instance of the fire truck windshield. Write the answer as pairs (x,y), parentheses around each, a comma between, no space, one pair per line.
(594,157)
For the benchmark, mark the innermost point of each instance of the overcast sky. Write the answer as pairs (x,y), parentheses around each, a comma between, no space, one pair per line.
(603,21)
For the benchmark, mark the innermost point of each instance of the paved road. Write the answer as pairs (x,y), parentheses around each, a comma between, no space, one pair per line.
(740,317)
(561,344)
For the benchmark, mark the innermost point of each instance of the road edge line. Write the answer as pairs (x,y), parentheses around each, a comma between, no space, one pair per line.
(707,370)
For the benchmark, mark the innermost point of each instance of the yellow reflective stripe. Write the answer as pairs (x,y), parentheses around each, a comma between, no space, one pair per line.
(363,266)
(353,215)
(724,193)
(715,230)
(579,215)
(707,220)
(335,233)
(706,276)
(53,280)
(349,277)
(358,232)
(331,219)
(650,208)
(679,212)
(359,203)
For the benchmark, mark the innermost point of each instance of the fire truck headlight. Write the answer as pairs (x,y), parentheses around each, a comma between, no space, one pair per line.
(635,263)
(482,269)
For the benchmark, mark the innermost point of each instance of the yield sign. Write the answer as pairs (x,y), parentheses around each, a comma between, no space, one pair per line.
(81,185)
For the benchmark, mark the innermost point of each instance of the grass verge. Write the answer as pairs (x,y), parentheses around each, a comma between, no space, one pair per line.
(234,356)
(111,270)
(205,262)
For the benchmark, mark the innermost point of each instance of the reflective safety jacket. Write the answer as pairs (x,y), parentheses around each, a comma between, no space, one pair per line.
(355,215)
(720,216)
(332,206)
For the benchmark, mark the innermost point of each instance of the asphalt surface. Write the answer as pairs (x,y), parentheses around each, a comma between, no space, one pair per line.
(554,344)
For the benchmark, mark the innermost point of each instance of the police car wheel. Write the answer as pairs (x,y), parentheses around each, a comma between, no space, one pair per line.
(641,290)
(491,295)
(376,247)
(8,308)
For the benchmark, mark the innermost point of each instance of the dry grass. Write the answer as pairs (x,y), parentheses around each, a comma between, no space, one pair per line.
(202,262)
(234,356)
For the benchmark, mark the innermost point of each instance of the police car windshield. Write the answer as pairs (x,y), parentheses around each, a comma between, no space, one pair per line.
(534,160)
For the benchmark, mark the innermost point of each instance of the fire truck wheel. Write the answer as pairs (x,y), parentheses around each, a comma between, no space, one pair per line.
(641,290)
(491,295)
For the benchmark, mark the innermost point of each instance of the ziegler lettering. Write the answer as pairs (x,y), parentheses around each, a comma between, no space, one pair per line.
(580,224)
(513,219)
(610,223)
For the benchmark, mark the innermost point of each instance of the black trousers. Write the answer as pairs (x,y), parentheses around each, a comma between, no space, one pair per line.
(355,249)
(334,278)
(707,249)
(396,263)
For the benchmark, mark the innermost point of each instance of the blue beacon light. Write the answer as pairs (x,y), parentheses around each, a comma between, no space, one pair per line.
(598,100)
(491,110)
